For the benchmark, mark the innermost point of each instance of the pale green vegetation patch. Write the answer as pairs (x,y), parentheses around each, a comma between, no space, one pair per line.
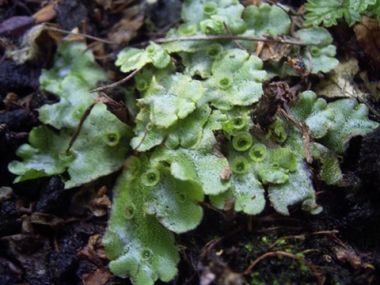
(103,138)
(193,139)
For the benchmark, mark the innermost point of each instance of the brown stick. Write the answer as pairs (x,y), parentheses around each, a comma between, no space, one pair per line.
(117,83)
(278,253)
(229,37)
(54,29)
(230,33)
(77,131)
(305,134)
(142,139)
(270,254)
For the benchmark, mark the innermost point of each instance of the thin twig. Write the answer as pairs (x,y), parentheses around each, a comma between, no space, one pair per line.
(142,139)
(326,232)
(77,131)
(117,83)
(229,37)
(310,250)
(278,253)
(282,7)
(304,236)
(230,33)
(270,254)
(305,134)
(54,29)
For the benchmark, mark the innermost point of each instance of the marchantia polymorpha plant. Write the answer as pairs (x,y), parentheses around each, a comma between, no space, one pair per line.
(171,158)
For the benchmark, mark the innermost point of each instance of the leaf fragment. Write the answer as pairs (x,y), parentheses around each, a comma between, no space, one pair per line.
(130,59)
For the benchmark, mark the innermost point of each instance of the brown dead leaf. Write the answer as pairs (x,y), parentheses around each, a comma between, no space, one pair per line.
(10,100)
(37,218)
(99,206)
(85,200)
(100,203)
(117,108)
(46,219)
(36,45)
(368,35)
(126,29)
(94,250)
(98,277)
(46,14)
(89,250)
(93,199)
(99,50)
(340,82)
(348,255)
(276,94)
(274,51)
(373,87)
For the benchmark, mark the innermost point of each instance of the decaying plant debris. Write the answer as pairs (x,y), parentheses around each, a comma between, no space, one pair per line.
(229,143)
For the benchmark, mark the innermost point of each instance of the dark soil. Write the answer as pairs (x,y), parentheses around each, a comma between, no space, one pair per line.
(49,235)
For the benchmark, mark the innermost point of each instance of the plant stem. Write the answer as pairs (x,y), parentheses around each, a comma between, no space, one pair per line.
(228,37)
(79,128)
(117,83)
(54,29)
